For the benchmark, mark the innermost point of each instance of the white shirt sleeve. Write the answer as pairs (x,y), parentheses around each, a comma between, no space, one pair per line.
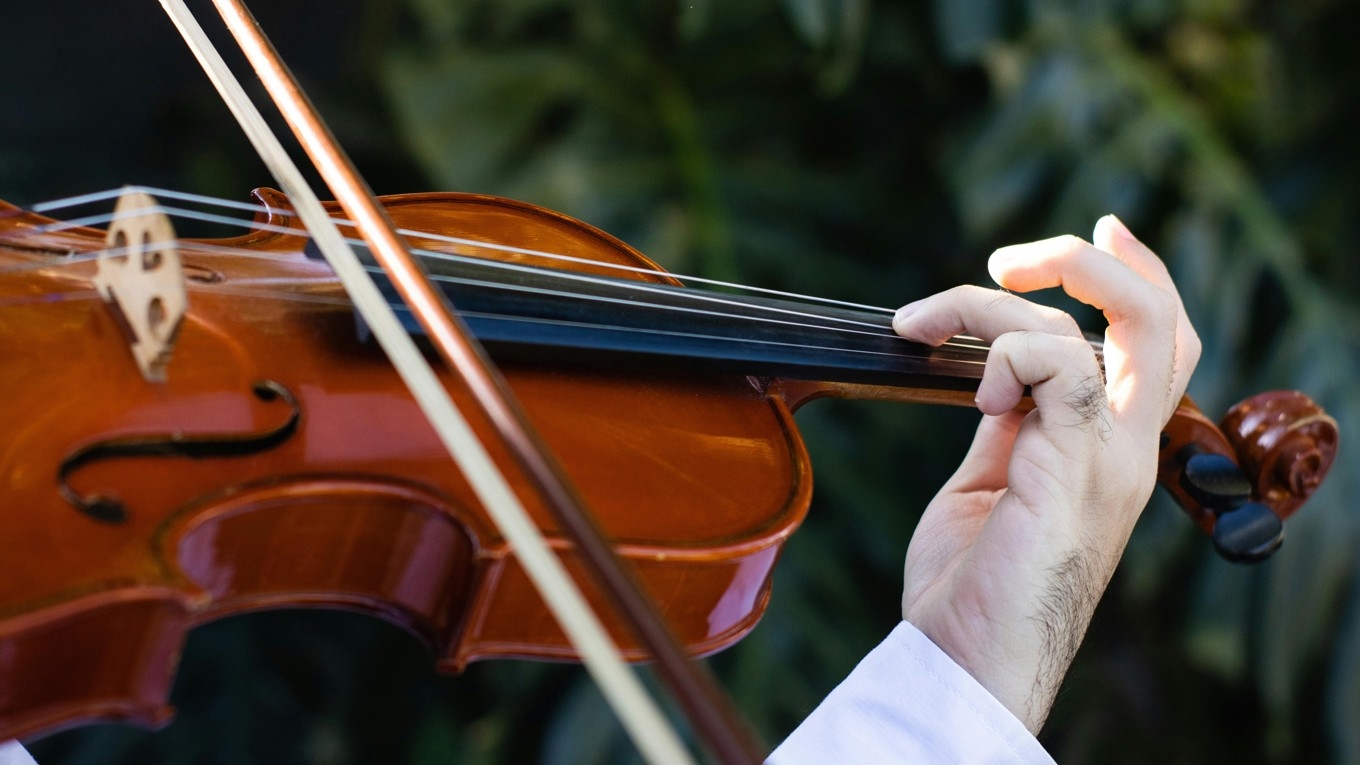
(908,702)
(13,754)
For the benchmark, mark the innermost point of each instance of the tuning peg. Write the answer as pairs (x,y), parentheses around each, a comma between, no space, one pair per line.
(1239,483)
(1248,533)
(1215,481)
(1244,532)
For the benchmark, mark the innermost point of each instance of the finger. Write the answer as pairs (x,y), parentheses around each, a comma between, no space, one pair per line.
(959,511)
(1112,236)
(980,312)
(984,467)
(1142,316)
(1062,375)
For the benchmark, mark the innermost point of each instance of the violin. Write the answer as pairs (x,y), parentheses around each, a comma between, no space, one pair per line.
(253,450)
(269,457)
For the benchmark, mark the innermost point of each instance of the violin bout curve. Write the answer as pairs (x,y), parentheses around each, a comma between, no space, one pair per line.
(117,651)
(355,505)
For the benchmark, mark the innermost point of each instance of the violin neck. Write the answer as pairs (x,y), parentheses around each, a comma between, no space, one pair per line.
(528,315)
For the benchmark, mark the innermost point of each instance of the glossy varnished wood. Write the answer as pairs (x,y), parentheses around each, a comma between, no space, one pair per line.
(697,480)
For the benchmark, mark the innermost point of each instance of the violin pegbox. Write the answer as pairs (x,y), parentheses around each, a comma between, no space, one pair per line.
(141,279)
(1239,480)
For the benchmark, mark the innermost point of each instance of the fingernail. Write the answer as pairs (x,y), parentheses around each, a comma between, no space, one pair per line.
(1002,255)
(1119,228)
(997,263)
(905,312)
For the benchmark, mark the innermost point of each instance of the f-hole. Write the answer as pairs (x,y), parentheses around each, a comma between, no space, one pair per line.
(109,508)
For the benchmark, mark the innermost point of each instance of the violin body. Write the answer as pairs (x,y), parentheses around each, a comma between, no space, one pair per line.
(283,465)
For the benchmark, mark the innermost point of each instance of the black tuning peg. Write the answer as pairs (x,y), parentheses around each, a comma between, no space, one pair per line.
(1245,531)
(1248,533)
(1215,481)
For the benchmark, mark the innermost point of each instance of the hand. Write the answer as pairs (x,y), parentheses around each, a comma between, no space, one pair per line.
(1011,557)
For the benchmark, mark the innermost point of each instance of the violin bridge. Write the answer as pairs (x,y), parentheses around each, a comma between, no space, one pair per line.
(141,279)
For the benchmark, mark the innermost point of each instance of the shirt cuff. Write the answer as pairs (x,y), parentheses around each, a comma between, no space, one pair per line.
(907,701)
(13,754)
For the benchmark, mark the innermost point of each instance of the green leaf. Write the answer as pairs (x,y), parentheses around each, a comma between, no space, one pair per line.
(967,28)
(812,19)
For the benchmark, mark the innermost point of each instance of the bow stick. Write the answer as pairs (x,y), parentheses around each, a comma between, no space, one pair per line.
(707,707)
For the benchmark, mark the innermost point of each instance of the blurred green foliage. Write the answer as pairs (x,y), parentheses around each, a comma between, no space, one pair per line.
(873,152)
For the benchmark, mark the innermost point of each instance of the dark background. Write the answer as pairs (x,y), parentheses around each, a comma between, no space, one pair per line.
(846,148)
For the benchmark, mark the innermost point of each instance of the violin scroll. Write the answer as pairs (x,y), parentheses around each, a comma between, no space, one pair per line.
(1241,479)
(1286,443)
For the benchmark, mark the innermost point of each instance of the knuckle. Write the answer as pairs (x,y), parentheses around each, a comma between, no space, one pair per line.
(972,293)
(1156,266)
(957,300)
(1076,345)
(1032,350)
(1012,343)
(1151,303)
(1071,243)
(1165,304)
(1061,323)
(1079,353)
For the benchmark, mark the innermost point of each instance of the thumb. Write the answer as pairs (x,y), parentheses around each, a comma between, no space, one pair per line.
(984,468)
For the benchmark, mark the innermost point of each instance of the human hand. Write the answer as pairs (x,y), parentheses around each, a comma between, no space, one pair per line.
(1011,557)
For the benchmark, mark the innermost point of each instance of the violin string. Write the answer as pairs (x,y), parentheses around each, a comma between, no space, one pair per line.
(960,342)
(711,297)
(244,291)
(658,306)
(644,287)
(702,336)
(51,297)
(563,276)
(170,211)
(325,300)
(258,208)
